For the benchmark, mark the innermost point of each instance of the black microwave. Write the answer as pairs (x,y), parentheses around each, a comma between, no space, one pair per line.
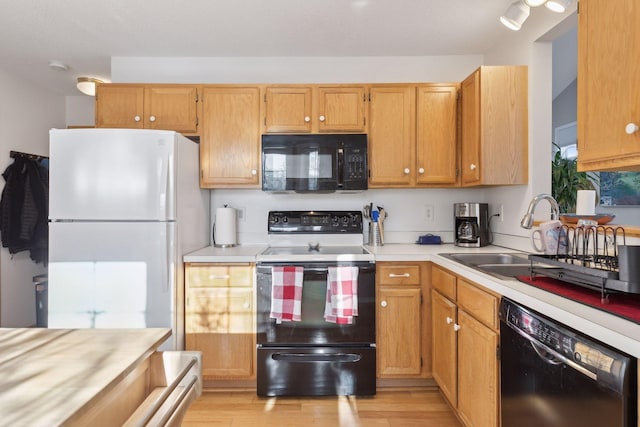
(314,163)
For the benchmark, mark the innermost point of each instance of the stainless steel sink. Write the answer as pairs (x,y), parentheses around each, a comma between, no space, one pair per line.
(505,265)
(488,258)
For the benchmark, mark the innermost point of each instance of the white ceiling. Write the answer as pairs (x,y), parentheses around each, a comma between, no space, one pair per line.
(85,34)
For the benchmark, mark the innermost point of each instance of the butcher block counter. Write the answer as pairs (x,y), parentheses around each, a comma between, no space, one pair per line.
(96,377)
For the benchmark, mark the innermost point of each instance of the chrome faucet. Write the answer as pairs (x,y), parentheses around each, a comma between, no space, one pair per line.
(527,219)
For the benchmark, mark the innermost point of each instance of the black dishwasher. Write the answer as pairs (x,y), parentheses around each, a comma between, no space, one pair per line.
(553,376)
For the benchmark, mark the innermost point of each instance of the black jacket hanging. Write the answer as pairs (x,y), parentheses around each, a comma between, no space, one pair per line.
(24,209)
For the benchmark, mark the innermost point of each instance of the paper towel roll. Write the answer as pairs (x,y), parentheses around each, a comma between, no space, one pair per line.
(586,204)
(224,229)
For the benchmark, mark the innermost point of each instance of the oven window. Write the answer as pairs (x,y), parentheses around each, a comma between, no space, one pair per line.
(313,328)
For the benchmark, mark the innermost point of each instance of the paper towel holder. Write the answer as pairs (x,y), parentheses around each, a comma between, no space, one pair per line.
(231,240)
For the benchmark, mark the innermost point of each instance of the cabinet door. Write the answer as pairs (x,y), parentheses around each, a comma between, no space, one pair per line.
(398,346)
(172,108)
(436,141)
(392,136)
(444,350)
(230,144)
(341,109)
(477,373)
(608,85)
(470,150)
(119,106)
(287,109)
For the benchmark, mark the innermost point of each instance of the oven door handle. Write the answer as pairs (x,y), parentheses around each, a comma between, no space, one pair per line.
(312,357)
(362,269)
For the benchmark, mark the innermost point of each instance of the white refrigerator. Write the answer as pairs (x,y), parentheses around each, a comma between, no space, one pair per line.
(124,207)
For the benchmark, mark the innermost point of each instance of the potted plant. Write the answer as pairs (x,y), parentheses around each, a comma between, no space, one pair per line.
(566,181)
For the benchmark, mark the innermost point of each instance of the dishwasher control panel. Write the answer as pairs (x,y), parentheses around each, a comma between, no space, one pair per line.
(593,356)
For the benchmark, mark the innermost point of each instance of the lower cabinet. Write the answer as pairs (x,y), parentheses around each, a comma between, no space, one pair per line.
(402,325)
(220,319)
(465,347)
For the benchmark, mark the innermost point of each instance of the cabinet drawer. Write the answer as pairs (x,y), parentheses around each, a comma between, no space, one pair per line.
(217,276)
(399,274)
(480,304)
(444,282)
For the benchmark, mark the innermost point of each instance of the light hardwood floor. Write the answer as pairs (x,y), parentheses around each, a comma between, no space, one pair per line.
(425,408)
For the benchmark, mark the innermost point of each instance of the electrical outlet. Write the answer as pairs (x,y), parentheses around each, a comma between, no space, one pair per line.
(428,212)
(242,214)
(501,213)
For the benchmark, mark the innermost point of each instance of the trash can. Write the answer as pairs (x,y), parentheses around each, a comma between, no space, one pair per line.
(41,282)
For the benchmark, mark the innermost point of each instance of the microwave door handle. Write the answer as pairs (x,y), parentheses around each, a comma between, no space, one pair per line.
(340,167)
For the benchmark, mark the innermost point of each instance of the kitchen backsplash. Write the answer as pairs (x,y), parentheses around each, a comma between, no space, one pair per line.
(406,209)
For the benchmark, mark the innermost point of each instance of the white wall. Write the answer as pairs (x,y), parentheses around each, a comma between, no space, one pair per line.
(80,110)
(27,112)
(294,69)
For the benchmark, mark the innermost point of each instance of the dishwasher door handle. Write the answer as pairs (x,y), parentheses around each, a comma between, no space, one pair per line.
(537,346)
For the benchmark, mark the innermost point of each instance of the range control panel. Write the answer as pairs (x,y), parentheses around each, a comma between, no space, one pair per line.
(315,222)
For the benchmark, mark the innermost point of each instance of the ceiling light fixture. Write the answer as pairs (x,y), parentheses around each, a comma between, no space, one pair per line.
(558,6)
(516,14)
(87,85)
(534,3)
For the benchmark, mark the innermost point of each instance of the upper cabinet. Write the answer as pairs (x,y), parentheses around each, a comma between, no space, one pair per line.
(314,108)
(230,143)
(436,136)
(412,135)
(494,126)
(391,136)
(170,107)
(608,85)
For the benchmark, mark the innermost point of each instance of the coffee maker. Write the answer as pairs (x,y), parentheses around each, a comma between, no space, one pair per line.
(471,224)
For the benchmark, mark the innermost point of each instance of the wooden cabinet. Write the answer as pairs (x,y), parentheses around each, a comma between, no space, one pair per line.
(230,143)
(314,108)
(220,318)
(494,148)
(608,85)
(391,136)
(465,345)
(170,107)
(412,135)
(436,135)
(403,329)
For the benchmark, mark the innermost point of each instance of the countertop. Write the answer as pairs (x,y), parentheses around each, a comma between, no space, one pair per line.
(240,253)
(615,331)
(48,377)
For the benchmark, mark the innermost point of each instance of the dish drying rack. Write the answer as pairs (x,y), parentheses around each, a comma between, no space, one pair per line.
(588,258)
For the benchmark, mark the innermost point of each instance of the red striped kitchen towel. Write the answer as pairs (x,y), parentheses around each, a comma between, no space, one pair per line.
(286,293)
(342,295)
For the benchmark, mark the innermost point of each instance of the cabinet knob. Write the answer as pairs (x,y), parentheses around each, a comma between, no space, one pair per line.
(307,119)
(421,171)
(383,303)
(449,320)
(136,118)
(152,118)
(254,172)
(246,305)
(472,166)
(456,327)
(631,128)
(322,118)
(407,171)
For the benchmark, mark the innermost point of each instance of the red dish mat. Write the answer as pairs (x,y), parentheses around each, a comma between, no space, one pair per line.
(626,306)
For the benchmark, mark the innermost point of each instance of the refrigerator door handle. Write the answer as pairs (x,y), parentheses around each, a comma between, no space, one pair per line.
(163,185)
(168,259)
